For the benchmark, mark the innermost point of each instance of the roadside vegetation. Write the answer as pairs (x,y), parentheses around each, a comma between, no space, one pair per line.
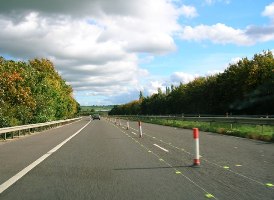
(244,88)
(258,132)
(33,92)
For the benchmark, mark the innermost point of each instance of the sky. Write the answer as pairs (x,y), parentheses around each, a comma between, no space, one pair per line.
(110,50)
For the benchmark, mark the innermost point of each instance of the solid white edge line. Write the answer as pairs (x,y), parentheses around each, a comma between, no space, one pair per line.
(23,172)
(161,147)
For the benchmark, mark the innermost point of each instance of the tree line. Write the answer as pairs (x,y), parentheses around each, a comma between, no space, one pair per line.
(246,87)
(33,92)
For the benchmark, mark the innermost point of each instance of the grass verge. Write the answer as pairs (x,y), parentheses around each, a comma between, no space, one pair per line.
(257,132)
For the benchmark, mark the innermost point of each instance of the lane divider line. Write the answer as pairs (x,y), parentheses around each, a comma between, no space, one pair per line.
(161,147)
(23,172)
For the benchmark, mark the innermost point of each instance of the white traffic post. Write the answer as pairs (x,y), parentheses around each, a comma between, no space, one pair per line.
(140,129)
(197,153)
(120,122)
(127,125)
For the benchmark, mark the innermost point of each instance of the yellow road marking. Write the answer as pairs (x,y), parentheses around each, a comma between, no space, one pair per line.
(209,195)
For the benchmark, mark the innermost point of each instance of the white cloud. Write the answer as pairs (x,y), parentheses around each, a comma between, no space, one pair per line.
(146,59)
(189,11)
(218,33)
(223,34)
(95,44)
(211,2)
(235,60)
(213,72)
(154,86)
(79,8)
(260,33)
(269,11)
(181,77)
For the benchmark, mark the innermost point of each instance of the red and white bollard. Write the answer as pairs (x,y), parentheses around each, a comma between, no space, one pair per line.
(127,125)
(140,129)
(115,121)
(197,151)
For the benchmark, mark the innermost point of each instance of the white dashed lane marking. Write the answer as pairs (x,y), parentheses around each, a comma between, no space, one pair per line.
(161,147)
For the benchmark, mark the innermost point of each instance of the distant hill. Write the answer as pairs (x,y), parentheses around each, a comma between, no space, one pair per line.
(97,108)
(90,110)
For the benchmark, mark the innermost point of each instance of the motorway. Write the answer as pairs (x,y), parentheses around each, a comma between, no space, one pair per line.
(101,160)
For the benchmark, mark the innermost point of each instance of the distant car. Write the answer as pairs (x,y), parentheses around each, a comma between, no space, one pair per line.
(96,116)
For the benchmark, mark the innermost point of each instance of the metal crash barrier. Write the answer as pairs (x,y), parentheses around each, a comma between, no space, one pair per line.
(18,130)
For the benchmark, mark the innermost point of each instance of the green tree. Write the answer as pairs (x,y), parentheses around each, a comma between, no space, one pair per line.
(246,87)
(33,92)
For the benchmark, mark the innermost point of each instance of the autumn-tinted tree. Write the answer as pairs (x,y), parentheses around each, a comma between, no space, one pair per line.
(32,92)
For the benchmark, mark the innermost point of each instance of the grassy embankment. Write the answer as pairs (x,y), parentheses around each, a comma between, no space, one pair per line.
(258,132)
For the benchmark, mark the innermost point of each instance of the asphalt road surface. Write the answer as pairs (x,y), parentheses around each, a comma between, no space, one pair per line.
(102,160)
